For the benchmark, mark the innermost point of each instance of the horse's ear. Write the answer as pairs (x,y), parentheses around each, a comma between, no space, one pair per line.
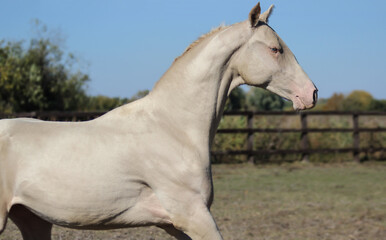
(254,15)
(265,16)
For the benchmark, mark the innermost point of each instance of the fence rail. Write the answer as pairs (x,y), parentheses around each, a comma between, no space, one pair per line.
(304,130)
(250,152)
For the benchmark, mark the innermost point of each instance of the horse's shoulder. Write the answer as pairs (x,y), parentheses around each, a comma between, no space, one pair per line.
(6,128)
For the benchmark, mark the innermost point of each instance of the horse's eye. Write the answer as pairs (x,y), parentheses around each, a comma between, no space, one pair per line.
(275,50)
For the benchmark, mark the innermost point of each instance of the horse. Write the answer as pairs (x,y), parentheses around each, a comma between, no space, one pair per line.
(147,162)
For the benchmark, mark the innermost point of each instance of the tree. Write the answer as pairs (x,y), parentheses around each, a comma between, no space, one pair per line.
(236,100)
(259,99)
(334,103)
(378,105)
(140,94)
(39,78)
(103,103)
(358,100)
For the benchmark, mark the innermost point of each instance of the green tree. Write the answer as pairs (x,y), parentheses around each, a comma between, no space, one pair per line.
(140,94)
(378,105)
(236,100)
(103,103)
(358,100)
(39,78)
(262,100)
(334,103)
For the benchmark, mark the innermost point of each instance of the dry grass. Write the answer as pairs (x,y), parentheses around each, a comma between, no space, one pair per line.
(291,202)
(302,202)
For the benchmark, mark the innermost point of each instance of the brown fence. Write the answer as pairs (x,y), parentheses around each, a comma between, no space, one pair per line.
(304,131)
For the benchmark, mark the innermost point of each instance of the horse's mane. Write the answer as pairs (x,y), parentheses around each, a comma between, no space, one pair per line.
(195,43)
(200,39)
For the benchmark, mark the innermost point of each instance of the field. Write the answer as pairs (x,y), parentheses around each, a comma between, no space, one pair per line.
(292,202)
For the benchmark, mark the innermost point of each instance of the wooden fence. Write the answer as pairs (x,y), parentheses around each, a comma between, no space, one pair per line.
(304,131)
(250,152)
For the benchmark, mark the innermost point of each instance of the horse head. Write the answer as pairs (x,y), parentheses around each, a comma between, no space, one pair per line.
(266,61)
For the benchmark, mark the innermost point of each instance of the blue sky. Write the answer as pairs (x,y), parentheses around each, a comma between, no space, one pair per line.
(126,46)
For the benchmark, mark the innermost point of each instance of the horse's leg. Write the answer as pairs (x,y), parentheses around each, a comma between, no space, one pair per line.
(31,226)
(194,219)
(175,232)
(3,218)
(201,225)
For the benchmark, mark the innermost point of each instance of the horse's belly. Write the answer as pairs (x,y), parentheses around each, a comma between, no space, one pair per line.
(75,205)
(99,207)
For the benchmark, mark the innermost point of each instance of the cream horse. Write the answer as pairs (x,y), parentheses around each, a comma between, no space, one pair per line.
(147,162)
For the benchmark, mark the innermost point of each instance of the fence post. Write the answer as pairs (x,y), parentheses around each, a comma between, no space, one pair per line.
(250,139)
(356,137)
(304,137)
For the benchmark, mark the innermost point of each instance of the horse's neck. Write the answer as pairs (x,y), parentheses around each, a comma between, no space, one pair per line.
(193,91)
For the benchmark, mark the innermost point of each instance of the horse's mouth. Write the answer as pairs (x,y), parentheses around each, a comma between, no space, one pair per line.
(299,104)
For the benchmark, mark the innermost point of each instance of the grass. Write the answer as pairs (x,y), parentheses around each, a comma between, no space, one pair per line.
(302,202)
(292,202)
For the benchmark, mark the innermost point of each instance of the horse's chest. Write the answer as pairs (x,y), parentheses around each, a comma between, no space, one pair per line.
(185,183)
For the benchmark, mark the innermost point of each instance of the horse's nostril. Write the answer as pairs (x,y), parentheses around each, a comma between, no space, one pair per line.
(315,96)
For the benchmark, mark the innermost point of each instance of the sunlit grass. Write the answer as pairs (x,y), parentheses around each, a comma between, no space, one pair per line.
(301,202)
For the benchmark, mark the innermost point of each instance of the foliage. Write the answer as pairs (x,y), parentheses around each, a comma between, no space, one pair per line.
(103,103)
(236,100)
(39,78)
(259,99)
(357,101)
(256,99)
(334,103)
(140,94)
(378,105)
